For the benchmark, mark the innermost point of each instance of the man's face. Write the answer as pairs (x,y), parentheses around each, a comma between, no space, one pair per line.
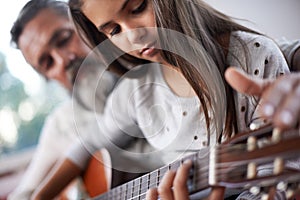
(50,44)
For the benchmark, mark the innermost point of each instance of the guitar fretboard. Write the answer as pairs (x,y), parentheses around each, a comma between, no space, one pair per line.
(137,188)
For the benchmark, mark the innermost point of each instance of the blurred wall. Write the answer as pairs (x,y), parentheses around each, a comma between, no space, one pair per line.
(276,18)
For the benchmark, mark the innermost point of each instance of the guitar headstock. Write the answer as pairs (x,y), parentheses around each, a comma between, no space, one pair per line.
(259,160)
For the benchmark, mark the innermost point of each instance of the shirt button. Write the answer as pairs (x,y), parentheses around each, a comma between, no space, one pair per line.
(243,109)
(266,62)
(184,113)
(195,137)
(257,44)
(256,72)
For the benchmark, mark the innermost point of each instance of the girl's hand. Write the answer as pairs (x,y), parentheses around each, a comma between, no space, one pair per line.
(174,186)
(280,99)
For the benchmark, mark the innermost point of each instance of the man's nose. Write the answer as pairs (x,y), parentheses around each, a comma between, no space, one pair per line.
(62,60)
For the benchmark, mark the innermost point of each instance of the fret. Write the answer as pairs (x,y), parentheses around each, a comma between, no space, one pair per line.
(153,179)
(123,189)
(136,198)
(144,184)
(163,171)
(129,190)
(142,196)
(117,193)
(136,188)
(158,177)
(175,165)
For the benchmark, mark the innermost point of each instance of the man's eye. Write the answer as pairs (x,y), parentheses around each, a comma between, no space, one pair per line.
(140,8)
(62,43)
(64,39)
(115,31)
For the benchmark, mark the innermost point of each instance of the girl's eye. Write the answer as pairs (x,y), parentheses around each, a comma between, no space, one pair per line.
(140,8)
(115,31)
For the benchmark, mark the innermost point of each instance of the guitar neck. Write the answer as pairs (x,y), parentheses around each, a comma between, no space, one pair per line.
(229,165)
(137,188)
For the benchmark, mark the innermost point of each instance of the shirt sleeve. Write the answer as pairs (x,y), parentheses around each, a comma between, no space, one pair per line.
(288,48)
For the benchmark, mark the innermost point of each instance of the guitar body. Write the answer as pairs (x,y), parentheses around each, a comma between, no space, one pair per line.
(98,175)
(96,179)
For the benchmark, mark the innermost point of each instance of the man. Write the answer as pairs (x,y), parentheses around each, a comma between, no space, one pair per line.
(47,40)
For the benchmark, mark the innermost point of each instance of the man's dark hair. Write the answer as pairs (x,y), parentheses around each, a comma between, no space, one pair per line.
(30,10)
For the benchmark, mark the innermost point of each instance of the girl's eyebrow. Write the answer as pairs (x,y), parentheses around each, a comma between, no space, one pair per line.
(101,27)
(124,5)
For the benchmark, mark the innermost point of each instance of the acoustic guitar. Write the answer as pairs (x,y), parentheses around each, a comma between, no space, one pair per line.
(233,164)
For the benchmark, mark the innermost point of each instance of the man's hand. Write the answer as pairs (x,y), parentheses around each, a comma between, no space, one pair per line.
(280,99)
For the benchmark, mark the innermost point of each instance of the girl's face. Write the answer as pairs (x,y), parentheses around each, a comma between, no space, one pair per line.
(129,24)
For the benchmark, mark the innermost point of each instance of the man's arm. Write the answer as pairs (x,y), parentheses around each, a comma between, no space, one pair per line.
(62,174)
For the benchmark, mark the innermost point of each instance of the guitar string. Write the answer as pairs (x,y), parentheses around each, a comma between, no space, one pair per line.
(154,181)
(132,196)
(150,183)
(203,177)
(139,194)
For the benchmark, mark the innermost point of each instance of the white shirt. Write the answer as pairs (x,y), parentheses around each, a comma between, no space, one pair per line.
(174,124)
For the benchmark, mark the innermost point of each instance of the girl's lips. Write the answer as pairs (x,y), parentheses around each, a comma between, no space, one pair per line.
(148,51)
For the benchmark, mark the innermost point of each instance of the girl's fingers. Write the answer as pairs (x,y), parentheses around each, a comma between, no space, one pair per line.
(279,98)
(152,194)
(245,83)
(180,181)
(165,190)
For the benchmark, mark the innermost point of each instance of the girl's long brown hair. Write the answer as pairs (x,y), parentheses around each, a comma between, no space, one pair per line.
(205,25)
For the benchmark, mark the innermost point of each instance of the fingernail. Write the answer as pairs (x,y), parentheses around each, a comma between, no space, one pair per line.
(268,110)
(187,162)
(286,117)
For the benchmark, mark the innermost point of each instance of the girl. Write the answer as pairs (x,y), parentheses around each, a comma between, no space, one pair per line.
(195,44)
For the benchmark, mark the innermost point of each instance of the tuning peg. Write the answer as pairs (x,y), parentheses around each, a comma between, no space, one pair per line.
(293,189)
(255,190)
(276,135)
(278,165)
(251,170)
(282,186)
(264,196)
(251,143)
(289,193)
